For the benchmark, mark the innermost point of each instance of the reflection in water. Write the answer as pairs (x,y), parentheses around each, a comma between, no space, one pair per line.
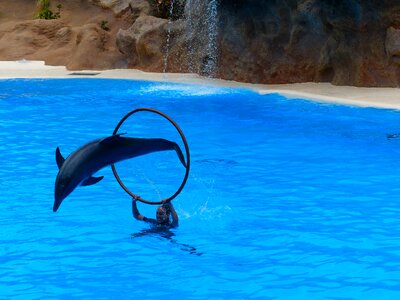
(162,232)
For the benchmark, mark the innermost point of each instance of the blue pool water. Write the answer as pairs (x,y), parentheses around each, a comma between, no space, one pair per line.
(286,199)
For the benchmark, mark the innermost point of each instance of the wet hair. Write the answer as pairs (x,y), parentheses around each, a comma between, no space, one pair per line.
(166,208)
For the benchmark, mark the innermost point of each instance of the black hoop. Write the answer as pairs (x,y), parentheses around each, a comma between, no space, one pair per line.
(166,200)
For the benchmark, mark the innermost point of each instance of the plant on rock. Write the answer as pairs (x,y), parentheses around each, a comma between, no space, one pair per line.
(104,25)
(44,11)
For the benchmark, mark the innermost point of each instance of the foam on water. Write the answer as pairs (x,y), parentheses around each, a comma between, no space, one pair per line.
(180,90)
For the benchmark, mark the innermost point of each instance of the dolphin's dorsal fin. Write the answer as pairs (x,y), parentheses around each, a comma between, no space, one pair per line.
(91,180)
(111,138)
(59,158)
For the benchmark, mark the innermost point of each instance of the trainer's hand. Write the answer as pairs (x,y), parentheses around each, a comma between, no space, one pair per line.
(136,197)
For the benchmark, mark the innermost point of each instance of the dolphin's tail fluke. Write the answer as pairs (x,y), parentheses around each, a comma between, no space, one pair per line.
(180,154)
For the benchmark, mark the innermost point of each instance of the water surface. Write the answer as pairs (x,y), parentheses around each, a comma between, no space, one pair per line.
(286,199)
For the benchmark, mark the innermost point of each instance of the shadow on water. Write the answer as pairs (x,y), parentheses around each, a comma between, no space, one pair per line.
(165,233)
(393,136)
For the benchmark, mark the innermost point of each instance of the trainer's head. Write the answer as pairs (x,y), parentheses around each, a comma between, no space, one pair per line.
(162,215)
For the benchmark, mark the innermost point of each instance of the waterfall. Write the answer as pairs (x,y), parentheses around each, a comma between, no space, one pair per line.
(202,33)
(210,65)
(190,12)
(168,41)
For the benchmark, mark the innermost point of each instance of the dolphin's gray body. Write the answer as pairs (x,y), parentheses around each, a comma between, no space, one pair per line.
(79,167)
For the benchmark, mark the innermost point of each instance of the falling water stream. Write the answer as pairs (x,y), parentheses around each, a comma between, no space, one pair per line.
(210,64)
(168,41)
(190,13)
(201,31)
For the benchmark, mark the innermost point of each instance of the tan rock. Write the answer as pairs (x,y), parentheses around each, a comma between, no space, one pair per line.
(345,42)
(120,7)
(76,40)
(143,42)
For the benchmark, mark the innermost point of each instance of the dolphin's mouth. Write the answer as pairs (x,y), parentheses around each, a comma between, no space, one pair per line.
(60,193)
(58,199)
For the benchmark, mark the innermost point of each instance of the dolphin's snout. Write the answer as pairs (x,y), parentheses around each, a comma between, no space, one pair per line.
(57,202)
(56,206)
(59,195)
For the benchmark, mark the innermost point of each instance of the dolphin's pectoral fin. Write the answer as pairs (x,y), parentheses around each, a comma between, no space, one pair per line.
(91,180)
(59,158)
(111,139)
(180,155)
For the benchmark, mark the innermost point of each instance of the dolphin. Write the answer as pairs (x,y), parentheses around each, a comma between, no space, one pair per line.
(79,167)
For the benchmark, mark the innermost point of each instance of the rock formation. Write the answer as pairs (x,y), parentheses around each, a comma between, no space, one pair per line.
(346,42)
(76,40)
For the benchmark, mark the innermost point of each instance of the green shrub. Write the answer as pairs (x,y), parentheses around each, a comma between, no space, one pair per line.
(104,25)
(44,11)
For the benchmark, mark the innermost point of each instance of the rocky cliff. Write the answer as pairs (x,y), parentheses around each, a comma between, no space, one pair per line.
(346,42)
